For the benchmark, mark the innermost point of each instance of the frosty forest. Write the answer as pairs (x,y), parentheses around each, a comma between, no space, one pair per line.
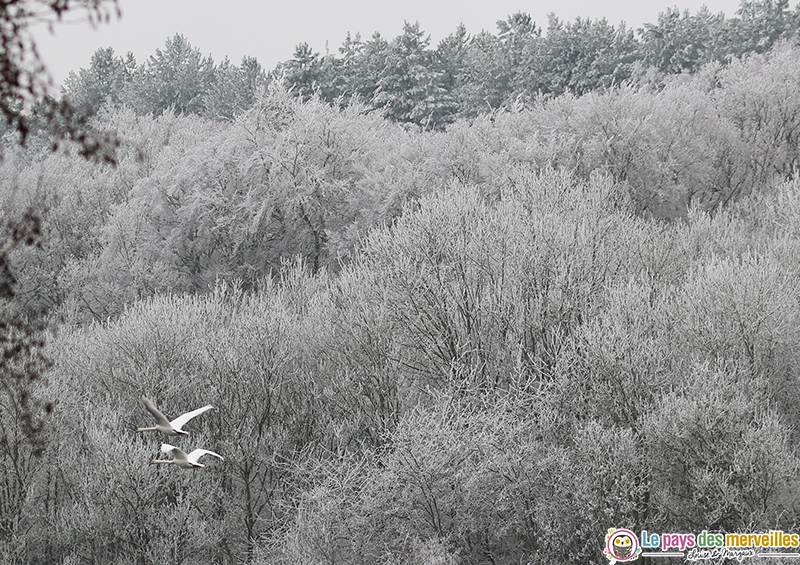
(465,303)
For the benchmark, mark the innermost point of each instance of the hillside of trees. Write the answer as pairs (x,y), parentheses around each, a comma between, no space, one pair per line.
(478,325)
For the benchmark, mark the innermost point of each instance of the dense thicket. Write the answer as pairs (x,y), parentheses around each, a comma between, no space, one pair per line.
(485,343)
(495,378)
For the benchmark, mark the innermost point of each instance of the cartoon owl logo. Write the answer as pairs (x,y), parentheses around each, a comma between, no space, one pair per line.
(621,545)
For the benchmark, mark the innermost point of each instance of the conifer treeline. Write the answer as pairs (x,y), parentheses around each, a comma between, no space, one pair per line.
(463,76)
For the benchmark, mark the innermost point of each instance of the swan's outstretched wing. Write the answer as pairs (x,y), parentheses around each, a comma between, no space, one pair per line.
(179,422)
(155,412)
(195,455)
(177,452)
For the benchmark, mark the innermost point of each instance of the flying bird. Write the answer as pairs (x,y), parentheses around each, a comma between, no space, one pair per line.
(166,427)
(181,459)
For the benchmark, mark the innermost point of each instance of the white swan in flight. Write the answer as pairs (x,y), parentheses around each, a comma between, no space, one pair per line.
(173,428)
(181,459)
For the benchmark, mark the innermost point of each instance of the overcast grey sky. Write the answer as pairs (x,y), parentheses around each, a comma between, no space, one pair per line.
(269,31)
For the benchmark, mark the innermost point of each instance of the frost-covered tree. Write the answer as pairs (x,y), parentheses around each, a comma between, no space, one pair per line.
(104,82)
(409,87)
(304,71)
(235,88)
(680,42)
(177,77)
